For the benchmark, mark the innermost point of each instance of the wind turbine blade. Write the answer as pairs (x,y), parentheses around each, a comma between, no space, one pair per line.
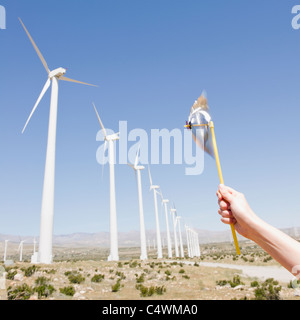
(150,178)
(36,48)
(46,86)
(161,195)
(99,119)
(137,156)
(71,80)
(130,165)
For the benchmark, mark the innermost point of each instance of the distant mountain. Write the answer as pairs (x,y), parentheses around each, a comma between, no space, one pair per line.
(132,238)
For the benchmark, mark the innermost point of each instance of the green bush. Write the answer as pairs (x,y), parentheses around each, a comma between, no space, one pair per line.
(268,259)
(133,264)
(121,275)
(181,271)
(22,292)
(116,287)
(28,272)
(268,290)
(148,292)
(185,276)
(97,278)
(11,274)
(235,282)
(254,284)
(74,277)
(68,291)
(41,281)
(168,272)
(141,278)
(43,288)
(52,271)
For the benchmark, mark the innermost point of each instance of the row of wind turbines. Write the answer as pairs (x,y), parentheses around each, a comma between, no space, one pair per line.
(45,254)
(192,237)
(20,250)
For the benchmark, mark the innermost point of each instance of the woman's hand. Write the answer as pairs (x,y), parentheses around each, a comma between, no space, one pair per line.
(235,209)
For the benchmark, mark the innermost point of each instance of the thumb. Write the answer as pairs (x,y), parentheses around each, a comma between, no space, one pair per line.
(226,193)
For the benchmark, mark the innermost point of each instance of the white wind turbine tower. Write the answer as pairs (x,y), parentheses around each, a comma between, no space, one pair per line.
(47,211)
(188,241)
(34,257)
(169,243)
(180,237)
(137,170)
(158,235)
(20,249)
(110,139)
(5,250)
(173,213)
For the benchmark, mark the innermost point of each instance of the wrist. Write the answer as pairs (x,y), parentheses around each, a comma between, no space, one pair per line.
(259,228)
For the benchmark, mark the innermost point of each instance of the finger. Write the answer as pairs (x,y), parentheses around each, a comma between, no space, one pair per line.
(224,205)
(225,213)
(226,192)
(219,195)
(228,220)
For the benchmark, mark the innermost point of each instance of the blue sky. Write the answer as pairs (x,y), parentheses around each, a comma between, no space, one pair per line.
(151,60)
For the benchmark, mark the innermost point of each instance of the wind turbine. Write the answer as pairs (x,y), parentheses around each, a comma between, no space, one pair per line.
(188,241)
(173,213)
(20,249)
(137,170)
(5,250)
(110,139)
(169,244)
(180,237)
(47,211)
(34,257)
(158,236)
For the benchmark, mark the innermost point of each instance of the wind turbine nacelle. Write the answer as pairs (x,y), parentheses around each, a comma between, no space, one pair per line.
(57,73)
(113,137)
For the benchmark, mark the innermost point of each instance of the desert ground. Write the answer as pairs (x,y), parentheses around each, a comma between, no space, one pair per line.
(83,273)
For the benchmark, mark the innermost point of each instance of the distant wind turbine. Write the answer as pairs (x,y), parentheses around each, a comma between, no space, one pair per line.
(20,249)
(169,243)
(47,212)
(5,250)
(173,213)
(137,170)
(110,139)
(158,235)
(188,241)
(180,237)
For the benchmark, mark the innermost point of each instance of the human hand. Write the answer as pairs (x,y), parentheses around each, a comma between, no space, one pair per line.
(235,209)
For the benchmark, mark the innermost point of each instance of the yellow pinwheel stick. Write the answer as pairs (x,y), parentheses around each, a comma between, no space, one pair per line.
(212,129)
(213,136)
